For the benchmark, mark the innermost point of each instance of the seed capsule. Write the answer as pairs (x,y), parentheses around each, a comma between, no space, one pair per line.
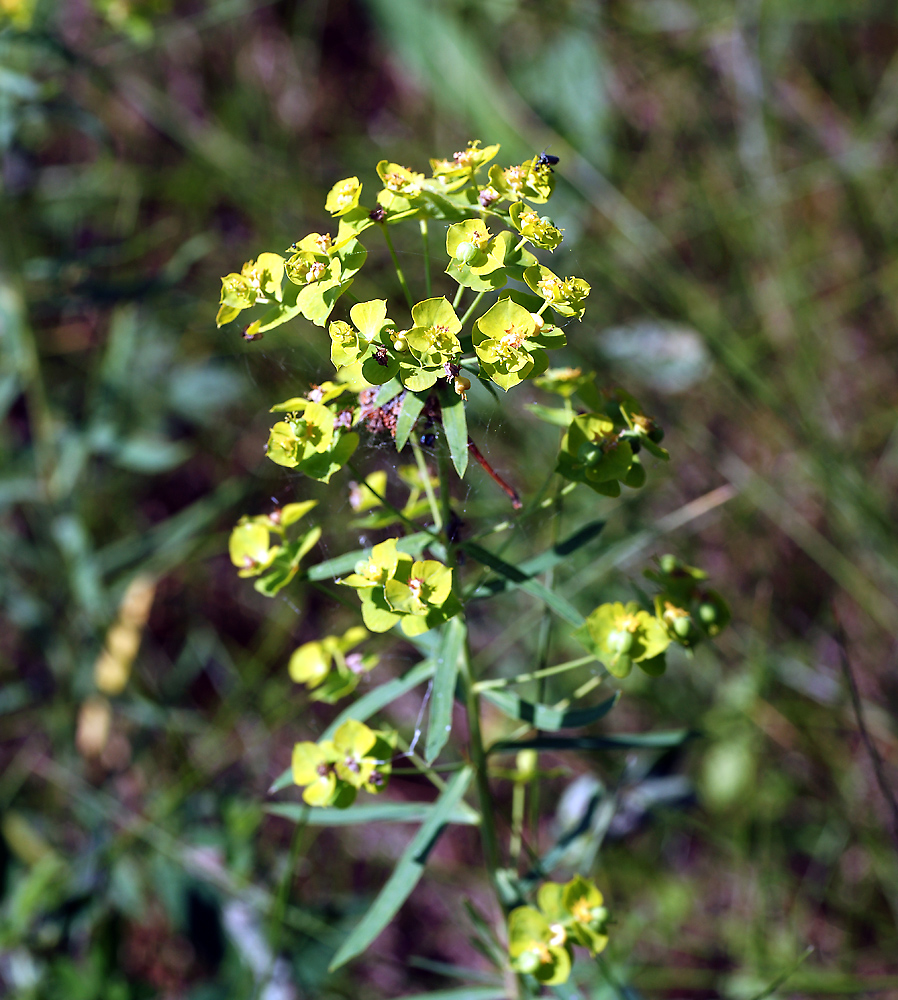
(462,385)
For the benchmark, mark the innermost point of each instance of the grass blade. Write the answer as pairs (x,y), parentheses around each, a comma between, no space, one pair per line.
(448,657)
(406,874)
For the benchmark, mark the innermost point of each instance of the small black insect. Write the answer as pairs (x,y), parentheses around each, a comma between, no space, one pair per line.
(428,440)
(545,160)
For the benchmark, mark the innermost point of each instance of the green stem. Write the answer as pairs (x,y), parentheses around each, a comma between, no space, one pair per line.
(518,799)
(611,979)
(424,472)
(456,302)
(399,273)
(425,239)
(472,307)
(559,668)
(478,759)
(390,507)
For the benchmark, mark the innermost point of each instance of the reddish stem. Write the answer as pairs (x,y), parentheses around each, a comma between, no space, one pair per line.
(496,478)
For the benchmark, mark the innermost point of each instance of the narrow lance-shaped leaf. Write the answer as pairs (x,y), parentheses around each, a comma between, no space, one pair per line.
(450,652)
(412,406)
(616,741)
(545,716)
(558,604)
(379,812)
(456,427)
(406,874)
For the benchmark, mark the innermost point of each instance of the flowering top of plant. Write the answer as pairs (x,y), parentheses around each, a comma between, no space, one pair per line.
(404,371)
(334,771)
(540,940)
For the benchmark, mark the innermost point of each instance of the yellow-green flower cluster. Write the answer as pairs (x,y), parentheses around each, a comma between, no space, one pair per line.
(334,771)
(312,436)
(328,669)
(540,940)
(395,588)
(253,553)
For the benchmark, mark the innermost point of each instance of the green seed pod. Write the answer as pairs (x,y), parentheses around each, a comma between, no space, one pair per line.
(620,641)
(683,626)
(469,253)
(400,344)
(669,564)
(528,963)
(708,613)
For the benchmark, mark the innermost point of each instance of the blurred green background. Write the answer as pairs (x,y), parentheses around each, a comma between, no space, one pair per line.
(727,185)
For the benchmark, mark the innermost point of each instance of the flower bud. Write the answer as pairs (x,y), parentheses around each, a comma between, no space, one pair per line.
(468,253)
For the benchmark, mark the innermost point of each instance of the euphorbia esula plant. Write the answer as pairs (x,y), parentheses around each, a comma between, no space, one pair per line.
(402,373)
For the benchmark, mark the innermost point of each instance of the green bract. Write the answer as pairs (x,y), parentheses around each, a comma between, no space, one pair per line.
(620,635)
(579,907)
(333,771)
(258,281)
(464,164)
(507,344)
(537,948)
(541,232)
(531,181)
(251,550)
(324,667)
(394,588)
(564,295)
(343,196)
(313,437)
(688,608)
(594,453)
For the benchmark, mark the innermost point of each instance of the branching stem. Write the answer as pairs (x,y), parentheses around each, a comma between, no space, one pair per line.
(399,273)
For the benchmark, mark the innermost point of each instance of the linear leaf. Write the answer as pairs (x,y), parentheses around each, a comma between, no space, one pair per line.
(379,812)
(412,406)
(440,724)
(544,716)
(615,741)
(367,705)
(545,560)
(558,604)
(566,547)
(455,425)
(388,391)
(406,874)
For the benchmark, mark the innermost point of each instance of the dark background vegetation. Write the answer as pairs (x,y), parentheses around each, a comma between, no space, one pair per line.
(727,184)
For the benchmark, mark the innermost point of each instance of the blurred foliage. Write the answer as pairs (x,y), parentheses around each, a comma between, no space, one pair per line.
(737,163)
